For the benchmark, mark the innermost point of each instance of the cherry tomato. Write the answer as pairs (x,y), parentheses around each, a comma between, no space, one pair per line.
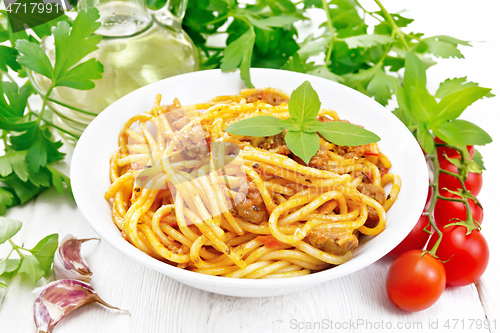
(451,153)
(445,211)
(416,239)
(415,282)
(467,255)
(473,183)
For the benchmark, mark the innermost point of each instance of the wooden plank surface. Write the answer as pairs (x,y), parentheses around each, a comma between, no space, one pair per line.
(356,303)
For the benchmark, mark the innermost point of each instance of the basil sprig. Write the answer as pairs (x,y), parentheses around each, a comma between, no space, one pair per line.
(302,137)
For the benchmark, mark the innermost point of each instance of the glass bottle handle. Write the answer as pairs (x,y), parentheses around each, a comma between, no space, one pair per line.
(172,13)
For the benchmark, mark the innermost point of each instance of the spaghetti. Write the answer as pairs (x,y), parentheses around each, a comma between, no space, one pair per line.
(190,194)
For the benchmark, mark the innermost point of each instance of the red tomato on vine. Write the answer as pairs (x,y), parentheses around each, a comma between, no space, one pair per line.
(446,211)
(473,183)
(465,256)
(451,153)
(416,239)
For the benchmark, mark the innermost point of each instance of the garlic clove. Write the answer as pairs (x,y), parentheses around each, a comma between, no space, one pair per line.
(59,299)
(68,260)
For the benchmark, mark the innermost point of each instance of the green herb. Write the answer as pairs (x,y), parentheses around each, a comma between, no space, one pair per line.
(36,264)
(345,134)
(301,137)
(29,145)
(351,50)
(426,116)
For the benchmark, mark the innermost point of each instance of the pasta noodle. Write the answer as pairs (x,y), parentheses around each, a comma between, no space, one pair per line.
(192,195)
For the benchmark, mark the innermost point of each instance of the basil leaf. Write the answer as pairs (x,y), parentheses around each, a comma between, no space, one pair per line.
(345,134)
(449,86)
(31,267)
(422,104)
(256,126)
(414,72)
(8,228)
(425,139)
(450,133)
(312,125)
(452,106)
(304,145)
(472,135)
(9,266)
(304,102)
(291,124)
(44,251)
(478,158)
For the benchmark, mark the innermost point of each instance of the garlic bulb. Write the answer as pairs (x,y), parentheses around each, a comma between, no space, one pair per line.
(59,299)
(68,261)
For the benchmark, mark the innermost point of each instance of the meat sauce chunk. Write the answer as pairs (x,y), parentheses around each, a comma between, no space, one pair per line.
(335,241)
(250,206)
(193,143)
(177,119)
(376,193)
(275,144)
(268,97)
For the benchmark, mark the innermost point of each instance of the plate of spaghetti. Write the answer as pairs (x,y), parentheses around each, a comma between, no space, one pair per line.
(172,186)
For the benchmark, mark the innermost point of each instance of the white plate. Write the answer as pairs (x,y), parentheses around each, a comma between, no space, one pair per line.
(90,169)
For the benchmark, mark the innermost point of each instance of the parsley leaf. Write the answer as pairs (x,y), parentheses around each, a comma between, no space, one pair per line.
(33,57)
(29,145)
(6,200)
(367,40)
(58,178)
(70,47)
(8,57)
(13,161)
(442,46)
(381,86)
(239,53)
